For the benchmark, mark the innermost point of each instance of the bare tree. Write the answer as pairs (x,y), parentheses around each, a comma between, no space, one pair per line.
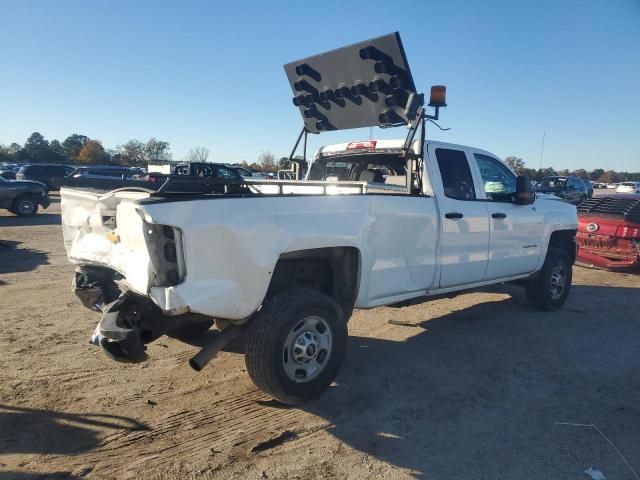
(267,161)
(157,151)
(198,154)
(516,164)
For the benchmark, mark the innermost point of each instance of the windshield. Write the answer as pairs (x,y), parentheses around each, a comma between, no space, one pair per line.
(380,168)
(552,182)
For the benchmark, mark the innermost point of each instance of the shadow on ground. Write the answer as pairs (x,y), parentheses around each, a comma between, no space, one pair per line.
(29,430)
(38,476)
(477,393)
(38,219)
(14,258)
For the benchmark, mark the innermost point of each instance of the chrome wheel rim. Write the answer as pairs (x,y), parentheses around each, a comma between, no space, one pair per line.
(307,349)
(25,207)
(557,281)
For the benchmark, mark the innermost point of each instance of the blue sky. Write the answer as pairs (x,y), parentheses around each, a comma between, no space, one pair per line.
(210,73)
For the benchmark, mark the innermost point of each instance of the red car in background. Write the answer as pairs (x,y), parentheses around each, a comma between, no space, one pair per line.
(609,232)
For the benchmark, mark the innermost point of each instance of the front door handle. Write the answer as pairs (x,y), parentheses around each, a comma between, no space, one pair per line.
(499,215)
(453,215)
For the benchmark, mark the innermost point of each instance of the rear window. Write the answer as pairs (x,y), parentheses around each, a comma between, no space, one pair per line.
(380,168)
(628,184)
(225,172)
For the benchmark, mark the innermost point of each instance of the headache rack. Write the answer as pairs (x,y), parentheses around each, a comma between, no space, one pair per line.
(627,209)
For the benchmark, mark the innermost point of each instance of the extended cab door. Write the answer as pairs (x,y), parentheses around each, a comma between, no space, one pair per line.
(464,244)
(515,230)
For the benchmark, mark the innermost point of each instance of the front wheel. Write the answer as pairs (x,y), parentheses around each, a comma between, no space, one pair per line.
(549,290)
(296,344)
(25,206)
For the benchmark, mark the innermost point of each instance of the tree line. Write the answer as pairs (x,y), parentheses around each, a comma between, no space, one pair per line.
(267,163)
(597,175)
(81,149)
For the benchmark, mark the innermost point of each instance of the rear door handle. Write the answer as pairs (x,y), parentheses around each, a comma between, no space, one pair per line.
(453,215)
(499,215)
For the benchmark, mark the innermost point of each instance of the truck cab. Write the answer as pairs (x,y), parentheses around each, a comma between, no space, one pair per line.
(486,235)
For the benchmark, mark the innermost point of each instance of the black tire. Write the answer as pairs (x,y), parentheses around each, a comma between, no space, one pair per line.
(25,206)
(269,331)
(543,291)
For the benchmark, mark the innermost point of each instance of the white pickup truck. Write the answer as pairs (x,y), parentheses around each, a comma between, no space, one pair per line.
(287,268)
(284,263)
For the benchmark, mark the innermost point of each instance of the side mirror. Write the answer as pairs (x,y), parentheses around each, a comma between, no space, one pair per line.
(524,194)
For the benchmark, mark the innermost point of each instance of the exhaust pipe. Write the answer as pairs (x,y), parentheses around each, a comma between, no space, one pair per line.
(204,356)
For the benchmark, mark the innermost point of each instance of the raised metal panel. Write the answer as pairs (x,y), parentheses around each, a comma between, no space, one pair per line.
(361,85)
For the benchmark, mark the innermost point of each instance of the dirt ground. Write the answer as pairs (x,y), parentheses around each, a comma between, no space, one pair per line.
(476,387)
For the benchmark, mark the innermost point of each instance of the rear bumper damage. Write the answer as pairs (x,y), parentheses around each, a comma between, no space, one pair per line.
(608,252)
(117,335)
(130,321)
(609,260)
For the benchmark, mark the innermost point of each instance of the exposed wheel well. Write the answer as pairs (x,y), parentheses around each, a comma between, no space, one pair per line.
(28,195)
(565,240)
(333,271)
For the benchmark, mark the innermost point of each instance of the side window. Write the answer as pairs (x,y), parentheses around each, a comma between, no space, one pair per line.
(455,173)
(499,182)
(225,173)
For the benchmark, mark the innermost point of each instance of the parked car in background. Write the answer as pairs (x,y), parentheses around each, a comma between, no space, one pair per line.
(106,172)
(611,186)
(599,185)
(107,177)
(52,176)
(205,169)
(609,231)
(589,187)
(8,171)
(628,187)
(23,197)
(571,189)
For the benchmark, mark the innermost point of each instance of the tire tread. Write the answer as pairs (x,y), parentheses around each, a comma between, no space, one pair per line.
(261,345)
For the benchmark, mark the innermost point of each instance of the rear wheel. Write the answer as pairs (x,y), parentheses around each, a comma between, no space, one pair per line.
(549,290)
(296,344)
(25,206)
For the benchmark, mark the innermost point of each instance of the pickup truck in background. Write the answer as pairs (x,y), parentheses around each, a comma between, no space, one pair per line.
(23,197)
(284,263)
